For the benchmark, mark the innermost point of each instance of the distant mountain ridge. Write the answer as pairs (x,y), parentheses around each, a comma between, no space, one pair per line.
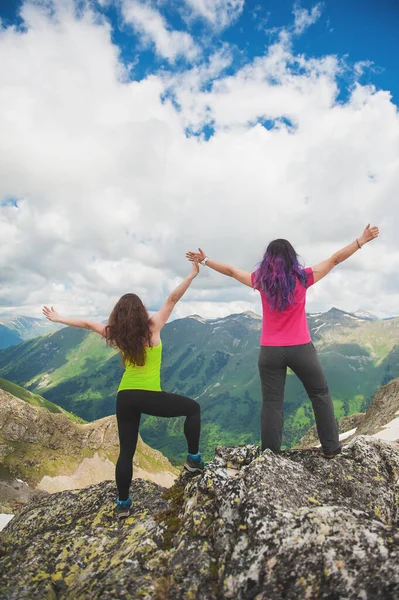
(16,329)
(214,361)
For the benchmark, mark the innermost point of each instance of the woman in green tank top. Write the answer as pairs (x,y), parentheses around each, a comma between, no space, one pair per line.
(136,335)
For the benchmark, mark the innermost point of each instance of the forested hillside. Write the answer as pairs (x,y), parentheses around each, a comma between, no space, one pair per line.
(214,361)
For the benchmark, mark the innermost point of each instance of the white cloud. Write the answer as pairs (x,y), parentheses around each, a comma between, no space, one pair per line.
(219,13)
(304,18)
(112,192)
(153,28)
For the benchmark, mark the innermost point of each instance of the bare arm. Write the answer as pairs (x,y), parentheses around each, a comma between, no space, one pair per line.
(53,316)
(323,268)
(159,319)
(241,276)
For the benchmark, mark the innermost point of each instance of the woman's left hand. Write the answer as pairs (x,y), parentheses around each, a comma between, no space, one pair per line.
(194,269)
(51,314)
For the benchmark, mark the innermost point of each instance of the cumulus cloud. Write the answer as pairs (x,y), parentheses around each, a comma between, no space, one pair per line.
(106,182)
(218,13)
(152,26)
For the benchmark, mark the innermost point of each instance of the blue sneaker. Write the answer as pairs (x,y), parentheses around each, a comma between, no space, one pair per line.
(123,508)
(194,463)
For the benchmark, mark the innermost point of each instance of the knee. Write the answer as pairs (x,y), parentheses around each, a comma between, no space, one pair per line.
(125,454)
(319,391)
(272,401)
(196,409)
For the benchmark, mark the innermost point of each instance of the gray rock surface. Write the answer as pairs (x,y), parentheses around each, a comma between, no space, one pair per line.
(252,526)
(384,407)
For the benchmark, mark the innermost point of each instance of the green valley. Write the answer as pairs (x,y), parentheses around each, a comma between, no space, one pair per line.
(215,362)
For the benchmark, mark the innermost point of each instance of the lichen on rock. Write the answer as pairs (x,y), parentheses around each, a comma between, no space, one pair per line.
(252,526)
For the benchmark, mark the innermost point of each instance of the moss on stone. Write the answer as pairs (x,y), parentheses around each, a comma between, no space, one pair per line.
(170,518)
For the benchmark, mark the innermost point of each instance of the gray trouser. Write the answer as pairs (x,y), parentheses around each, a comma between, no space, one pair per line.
(303,360)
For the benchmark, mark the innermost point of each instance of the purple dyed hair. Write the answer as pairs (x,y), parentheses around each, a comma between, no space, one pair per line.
(278,273)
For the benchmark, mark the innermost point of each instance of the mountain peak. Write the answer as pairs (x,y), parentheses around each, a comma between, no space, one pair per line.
(360,316)
(251,314)
(336,311)
(196,318)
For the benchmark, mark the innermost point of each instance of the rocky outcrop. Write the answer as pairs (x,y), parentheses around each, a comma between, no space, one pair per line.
(252,526)
(383,409)
(51,452)
(345,424)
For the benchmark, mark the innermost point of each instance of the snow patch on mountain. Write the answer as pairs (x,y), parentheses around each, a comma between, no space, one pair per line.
(319,327)
(197,318)
(4,520)
(389,433)
(365,314)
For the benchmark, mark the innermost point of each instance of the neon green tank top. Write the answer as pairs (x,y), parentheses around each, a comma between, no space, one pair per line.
(147,377)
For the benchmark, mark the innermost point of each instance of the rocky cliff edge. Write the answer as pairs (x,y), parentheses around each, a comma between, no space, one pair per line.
(252,526)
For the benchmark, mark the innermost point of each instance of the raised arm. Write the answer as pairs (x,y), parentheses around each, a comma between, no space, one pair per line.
(159,319)
(241,276)
(323,268)
(52,315)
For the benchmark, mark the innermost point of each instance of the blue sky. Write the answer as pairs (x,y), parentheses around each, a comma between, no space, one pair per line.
(361,30)
(135,130)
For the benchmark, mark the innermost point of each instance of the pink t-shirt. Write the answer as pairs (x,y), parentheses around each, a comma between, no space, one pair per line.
(288,327)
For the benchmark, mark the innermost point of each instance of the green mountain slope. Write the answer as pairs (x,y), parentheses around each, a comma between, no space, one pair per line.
(214,361)
(8,337)
(71,367)
(217,364)
(49,451)
(35,399)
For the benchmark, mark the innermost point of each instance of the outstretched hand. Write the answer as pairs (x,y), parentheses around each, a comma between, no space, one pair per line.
(195,268)
(51,314)
(370,233)
(198,256)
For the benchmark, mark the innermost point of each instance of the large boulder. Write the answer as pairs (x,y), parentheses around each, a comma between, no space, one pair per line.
(252,526)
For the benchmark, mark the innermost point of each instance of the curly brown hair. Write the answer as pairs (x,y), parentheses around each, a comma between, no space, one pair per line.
(128,329)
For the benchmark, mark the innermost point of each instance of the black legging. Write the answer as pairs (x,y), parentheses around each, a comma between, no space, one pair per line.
(129,406)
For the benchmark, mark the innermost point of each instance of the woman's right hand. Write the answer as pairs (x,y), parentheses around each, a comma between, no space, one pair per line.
(370,233)
(194,269)
(51,314)
(198,256)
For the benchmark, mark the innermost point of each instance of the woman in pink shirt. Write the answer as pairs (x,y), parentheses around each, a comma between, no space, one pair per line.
(285,339)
